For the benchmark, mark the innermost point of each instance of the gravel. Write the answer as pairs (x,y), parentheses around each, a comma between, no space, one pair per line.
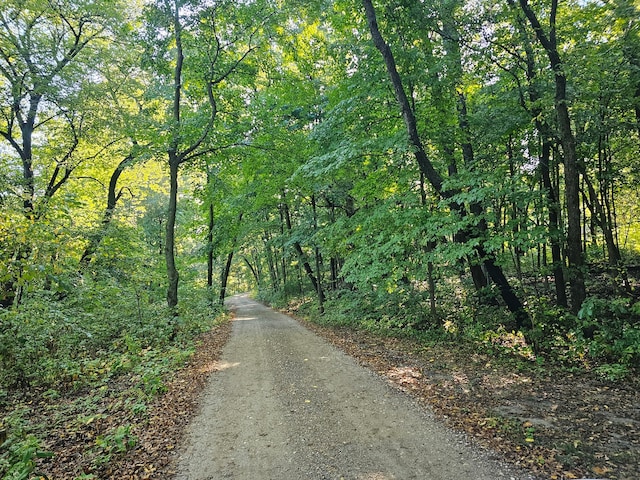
(283,404)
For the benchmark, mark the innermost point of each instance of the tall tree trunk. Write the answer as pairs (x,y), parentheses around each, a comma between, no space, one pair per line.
(554,224)
(174,165)
(568,142)
(169,243)
(551,193)
(303,258)
(271,262)
(495,272)
(318,258)
(210,227)
(254,271)
(283,259)
(600,218)
(224,277)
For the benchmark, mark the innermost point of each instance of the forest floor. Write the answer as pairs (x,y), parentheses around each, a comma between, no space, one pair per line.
(556,424)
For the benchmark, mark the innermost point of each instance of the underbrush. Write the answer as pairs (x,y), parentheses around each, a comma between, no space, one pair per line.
(104,347)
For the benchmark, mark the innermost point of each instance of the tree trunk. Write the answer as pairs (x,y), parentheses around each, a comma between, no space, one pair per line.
(210,227)
(169,245)
(554,208)
(600,217)
(431,174)
(174,165)
(317,287)
(107,216)
(227,268)
(254,271)
(224,277)
(320,292)
(272,263)
(568,142)
(210,245)
(554,224)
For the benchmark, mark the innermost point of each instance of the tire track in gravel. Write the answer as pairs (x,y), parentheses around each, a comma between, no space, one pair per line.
(283,404)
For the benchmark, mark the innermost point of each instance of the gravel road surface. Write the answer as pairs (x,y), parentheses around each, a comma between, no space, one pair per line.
(285,405)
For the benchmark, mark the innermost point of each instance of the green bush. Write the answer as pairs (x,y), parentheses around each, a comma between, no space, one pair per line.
(53,346)
(611,331)
(94,333)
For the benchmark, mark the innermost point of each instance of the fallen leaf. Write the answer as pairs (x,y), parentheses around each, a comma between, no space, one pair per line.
(600,470)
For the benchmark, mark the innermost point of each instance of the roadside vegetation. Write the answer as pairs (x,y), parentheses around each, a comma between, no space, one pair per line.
(456,173)
(560,419)
(79,375)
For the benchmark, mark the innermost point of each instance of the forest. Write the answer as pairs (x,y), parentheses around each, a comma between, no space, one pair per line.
(459,171)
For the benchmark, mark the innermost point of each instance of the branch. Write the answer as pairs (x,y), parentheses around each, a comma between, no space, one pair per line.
(552,22)
(122,190)
(547,42)
(212,150)
(83,177)
(233,67)
(214,111)
(7,136)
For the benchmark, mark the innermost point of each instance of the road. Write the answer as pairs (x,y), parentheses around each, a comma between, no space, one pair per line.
(285,405)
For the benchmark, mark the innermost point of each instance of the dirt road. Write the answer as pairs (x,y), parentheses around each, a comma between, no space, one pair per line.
(285,405)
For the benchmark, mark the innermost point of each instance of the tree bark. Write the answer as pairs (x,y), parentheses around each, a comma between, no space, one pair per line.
(169,245)
(210,226)
(210,245)
(548,139)
(272,265)
(175,159)
(568,142)
(227,267)
(451,39)
(601,219)
(254,271)
(320,292)
(303,258)
(554,224)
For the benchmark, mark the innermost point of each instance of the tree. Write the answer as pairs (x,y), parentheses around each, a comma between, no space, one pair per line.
(549,41)
(203,56)
(48,57)
(45,50)
(126,116)
(426,166)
